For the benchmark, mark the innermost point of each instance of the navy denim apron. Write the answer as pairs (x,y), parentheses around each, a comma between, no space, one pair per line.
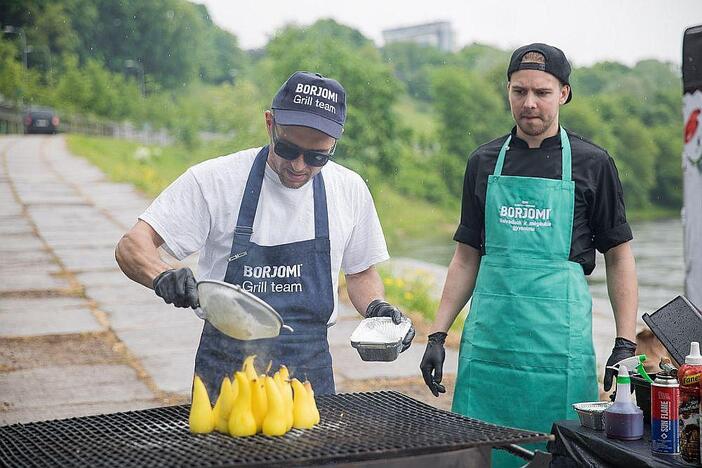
(295,279)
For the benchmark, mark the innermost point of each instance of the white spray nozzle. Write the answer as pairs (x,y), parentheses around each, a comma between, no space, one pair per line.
(631,362)
(694,357)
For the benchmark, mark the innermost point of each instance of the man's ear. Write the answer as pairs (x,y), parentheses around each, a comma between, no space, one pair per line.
(565,92)
(268,116)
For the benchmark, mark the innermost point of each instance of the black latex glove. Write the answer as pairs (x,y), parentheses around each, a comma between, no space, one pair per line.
(433,363)
(378,308)
(623,349)
(177,287)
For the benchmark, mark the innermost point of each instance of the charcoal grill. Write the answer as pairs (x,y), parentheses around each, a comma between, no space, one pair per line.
(355,428)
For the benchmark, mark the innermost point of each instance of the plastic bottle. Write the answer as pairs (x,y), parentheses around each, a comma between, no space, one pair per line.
(624,420)
(689,377)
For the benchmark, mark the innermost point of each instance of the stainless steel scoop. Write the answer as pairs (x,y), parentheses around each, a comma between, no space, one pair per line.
(236,312)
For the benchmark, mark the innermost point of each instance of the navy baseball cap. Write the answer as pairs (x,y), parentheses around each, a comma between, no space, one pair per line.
(311,100)
(555,60)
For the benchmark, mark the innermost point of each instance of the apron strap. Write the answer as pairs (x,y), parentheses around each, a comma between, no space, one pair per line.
(566,170)
(321,216)
(501,156)
(565,156)
(252,192)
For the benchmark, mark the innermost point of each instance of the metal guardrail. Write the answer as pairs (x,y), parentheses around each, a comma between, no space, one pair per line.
(11,123)
(10,120)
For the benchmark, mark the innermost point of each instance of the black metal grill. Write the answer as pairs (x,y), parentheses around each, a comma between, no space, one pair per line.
(354,427)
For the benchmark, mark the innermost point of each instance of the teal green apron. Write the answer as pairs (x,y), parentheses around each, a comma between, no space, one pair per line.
(526,351)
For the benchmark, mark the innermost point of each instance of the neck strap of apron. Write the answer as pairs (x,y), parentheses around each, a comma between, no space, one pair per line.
(252,192)
(565,156)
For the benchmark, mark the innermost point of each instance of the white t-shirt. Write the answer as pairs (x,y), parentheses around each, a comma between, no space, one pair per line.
(198,212)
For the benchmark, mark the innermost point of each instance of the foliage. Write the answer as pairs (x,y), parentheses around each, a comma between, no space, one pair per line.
(413,293)
(412,64)
(470,111)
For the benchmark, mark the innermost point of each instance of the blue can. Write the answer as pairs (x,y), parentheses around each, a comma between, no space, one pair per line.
(665,402)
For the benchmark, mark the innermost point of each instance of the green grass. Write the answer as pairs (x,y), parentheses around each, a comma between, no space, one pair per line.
(417,116)
(405,220)
(148,167)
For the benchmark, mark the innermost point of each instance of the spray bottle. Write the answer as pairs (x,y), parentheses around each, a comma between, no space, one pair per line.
(624,420)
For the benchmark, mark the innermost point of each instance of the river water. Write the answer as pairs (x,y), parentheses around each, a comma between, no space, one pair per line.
(657,246)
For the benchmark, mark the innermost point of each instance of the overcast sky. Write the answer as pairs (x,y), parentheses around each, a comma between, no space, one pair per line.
(587,30)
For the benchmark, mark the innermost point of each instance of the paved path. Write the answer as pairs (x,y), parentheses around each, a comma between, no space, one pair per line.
(76,336)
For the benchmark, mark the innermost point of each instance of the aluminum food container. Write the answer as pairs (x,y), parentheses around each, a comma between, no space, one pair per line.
(379,339)
(591,414)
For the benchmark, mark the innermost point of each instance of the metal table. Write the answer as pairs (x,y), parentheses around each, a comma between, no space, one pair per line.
(576,445)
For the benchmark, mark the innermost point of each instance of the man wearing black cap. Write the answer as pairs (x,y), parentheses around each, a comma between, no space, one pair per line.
(536,204)
(280,221)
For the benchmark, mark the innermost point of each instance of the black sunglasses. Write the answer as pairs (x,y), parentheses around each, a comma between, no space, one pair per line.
(291,152)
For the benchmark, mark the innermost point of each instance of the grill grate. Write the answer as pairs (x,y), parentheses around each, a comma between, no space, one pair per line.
(354,427)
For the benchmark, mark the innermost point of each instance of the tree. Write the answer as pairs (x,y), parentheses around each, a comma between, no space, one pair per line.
(667,188)
(11,83)
(471,113)
(412,64)
(635,154)
(482,59)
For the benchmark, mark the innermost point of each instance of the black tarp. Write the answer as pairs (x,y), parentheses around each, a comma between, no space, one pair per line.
(577,446)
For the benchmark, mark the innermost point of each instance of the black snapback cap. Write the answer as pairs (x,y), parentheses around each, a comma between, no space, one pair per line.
(311,100)
(555,60)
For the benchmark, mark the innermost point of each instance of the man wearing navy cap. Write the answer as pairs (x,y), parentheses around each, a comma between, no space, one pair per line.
(281,221)
(537,202)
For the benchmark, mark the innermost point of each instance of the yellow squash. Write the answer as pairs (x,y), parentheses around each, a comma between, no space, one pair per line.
(241,420)
(303,413)
(284,373)
(223,407)
(259,401)
(201,418)
(249,368)
(275,423)
(287,394)
(313,403)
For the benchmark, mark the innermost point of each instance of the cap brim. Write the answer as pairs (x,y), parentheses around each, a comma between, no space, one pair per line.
(306,119)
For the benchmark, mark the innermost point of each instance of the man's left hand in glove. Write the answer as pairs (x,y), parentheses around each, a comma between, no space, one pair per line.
(379,308)
(623,349)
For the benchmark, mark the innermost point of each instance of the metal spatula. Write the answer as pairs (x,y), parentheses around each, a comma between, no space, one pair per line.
(236,312)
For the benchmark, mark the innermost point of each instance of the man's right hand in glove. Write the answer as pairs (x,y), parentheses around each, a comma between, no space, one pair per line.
(177,287)
(433,363)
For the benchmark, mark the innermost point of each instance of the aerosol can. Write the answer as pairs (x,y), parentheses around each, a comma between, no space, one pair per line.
(665,401)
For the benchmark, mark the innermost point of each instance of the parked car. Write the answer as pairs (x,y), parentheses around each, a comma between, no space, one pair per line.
(41,120)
